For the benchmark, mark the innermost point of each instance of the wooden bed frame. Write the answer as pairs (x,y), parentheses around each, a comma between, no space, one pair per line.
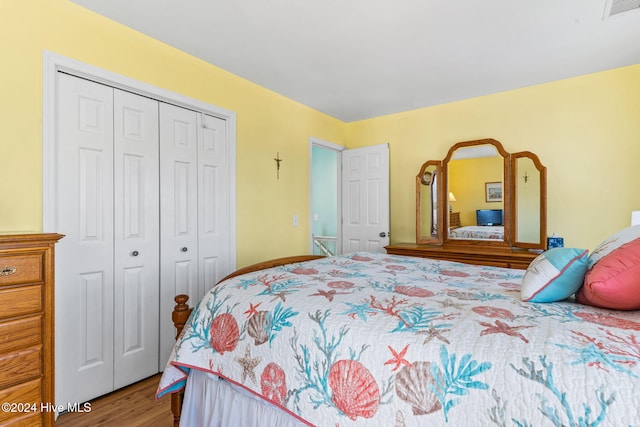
(182,311)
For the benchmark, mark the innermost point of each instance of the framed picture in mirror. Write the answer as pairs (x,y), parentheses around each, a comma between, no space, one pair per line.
(493,191)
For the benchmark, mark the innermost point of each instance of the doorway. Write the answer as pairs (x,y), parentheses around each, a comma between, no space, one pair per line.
(325,209)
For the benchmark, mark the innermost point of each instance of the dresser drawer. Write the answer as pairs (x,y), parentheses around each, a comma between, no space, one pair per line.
(20,301)
(18,269)
(21,333)
(20,365)
(29,392)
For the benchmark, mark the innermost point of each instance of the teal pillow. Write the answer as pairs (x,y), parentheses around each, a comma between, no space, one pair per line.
(554,275)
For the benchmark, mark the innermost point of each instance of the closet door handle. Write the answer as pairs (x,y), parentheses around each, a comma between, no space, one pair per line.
(184,249)
(135,253)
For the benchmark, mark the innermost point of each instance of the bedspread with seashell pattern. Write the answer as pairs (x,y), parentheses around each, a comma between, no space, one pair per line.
(368,339)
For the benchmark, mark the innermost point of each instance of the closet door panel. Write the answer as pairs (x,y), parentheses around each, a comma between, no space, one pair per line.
(213,196)
(137,240)
(178,214)
(84,260)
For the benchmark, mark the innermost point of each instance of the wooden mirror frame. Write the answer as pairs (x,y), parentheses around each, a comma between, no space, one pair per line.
(420,237)
(509,200)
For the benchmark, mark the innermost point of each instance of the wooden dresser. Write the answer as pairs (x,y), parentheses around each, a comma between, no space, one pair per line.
(497,257)
(454,219)
(26,329)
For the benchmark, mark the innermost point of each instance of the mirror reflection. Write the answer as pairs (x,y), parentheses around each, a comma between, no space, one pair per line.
(476,204)
(427,192)
(529,199)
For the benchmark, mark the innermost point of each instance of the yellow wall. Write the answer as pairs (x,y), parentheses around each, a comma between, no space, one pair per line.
(267,123)
(585,130)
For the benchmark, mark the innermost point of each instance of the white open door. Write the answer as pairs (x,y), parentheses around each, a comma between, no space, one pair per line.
(365,199)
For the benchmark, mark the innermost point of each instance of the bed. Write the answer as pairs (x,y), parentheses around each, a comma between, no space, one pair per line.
(370,339)
(489,226)
(478,232)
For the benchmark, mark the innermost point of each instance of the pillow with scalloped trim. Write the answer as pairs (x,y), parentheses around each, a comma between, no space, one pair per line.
(554,275)
(613,242)
(614,281)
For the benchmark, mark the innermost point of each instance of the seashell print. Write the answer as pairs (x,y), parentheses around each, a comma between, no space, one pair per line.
(305,271)
(361,258)
(256,327)
(355,391)
(453,273)
(395,267)
(273,383)
(494,312)
(338,273)
(340,284)
(413,291)
(608,320)
(414,384)
(491,275)
(468,296)
(224,333)
(510,286)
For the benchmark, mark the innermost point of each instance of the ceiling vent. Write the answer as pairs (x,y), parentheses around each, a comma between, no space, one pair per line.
(617,7)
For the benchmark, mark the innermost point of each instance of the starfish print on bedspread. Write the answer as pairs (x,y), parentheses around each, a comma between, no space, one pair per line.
(328,294)
(500,327)
(359,310)
(282,295)
(628,347)
(449,303)
(432,333)
(398,358)
(252,309)
(591,355)
(248,365)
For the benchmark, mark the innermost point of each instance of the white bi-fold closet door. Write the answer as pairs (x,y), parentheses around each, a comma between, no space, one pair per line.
(139,189)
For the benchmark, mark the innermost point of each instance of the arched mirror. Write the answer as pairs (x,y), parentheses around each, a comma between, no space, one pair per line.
(486,197)
(428,189)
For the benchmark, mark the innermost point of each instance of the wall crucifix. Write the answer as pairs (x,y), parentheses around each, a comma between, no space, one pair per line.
(278,160)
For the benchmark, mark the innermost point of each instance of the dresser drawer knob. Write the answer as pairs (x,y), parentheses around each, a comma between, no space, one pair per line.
(7,271)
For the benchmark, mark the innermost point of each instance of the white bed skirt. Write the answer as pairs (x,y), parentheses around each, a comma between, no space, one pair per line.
(213,402)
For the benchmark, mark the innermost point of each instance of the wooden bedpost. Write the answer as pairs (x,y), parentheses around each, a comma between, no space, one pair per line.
(180,315)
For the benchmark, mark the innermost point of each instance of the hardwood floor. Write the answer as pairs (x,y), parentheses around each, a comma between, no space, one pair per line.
(134,405)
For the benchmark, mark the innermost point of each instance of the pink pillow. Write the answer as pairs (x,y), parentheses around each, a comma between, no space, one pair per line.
(614,281)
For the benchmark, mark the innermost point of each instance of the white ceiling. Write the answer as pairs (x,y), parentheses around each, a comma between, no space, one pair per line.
(357,59)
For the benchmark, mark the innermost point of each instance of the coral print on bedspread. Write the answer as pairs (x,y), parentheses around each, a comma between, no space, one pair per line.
(369,339)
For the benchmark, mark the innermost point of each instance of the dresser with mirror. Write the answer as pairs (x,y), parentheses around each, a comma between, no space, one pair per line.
(480,205)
